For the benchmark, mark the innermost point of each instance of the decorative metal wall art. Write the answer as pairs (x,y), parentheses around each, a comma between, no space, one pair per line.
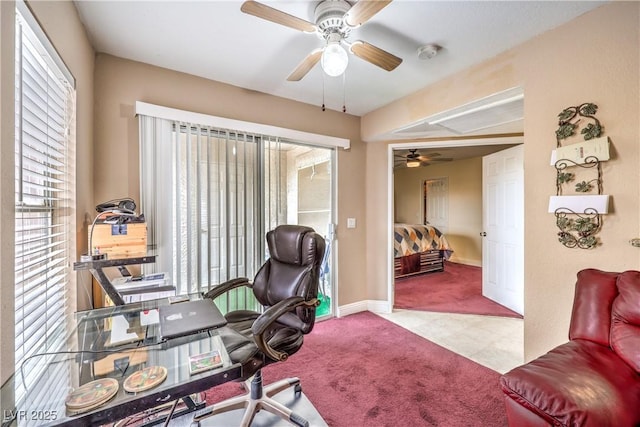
(578,228)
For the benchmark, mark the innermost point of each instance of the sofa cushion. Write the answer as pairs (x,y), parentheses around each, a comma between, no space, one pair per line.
(591,316)
(625,315)
(579,383)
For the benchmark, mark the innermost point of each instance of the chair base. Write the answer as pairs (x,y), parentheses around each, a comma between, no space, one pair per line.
(257,398)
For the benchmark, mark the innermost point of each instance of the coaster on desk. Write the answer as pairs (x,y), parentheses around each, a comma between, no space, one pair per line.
(145,379)
(91,395)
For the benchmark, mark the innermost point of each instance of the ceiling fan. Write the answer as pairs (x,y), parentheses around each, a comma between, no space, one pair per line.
(334,20)
(413,159)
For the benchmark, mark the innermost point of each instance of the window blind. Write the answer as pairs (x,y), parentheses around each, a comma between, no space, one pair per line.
(203,227)
(222,190)
(44,202)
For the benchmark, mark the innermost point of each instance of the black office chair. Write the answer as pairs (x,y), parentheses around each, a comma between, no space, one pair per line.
(287,287)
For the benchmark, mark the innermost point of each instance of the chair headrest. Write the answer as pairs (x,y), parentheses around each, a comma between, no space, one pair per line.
(293,244)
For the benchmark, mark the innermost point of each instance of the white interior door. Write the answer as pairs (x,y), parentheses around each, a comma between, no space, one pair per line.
(503,228)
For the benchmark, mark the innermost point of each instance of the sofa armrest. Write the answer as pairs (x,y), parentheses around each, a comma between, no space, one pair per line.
(518,415)
(579,383)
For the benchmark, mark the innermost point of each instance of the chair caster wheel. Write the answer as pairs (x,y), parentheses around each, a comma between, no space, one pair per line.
(297,390)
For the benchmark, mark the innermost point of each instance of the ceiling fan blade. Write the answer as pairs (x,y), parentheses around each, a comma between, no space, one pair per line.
(305,66)
(441,159)
(364,10)
(274,15)
(375,55)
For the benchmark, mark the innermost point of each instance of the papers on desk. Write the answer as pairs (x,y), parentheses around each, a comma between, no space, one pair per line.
(136,283)
(121,332)
(149,317)
(143,288)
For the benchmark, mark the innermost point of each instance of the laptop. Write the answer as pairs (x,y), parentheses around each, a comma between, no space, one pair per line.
(187,318)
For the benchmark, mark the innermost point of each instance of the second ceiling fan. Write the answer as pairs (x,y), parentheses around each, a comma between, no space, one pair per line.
(334,20)
(413,159)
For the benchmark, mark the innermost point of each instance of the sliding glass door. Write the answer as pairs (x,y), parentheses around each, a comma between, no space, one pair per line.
(299,188)
(211,195)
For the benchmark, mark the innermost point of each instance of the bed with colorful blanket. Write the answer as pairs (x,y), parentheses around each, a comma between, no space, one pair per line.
(418,249)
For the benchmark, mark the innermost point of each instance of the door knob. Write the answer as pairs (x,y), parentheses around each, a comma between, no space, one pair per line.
(483,234)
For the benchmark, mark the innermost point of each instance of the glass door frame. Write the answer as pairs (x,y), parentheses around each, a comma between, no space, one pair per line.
(329,232)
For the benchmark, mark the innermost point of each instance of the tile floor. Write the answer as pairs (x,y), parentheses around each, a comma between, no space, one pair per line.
(494,342)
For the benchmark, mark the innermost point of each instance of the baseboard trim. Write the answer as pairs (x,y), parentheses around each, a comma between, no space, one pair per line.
(379,306)
(375,306)
(472,262)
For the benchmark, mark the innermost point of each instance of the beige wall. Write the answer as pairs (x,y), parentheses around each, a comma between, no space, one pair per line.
(120,83)
(594,58)
(465,203)
(61,24)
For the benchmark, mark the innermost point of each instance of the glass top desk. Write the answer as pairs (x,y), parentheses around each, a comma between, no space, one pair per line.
(115,342)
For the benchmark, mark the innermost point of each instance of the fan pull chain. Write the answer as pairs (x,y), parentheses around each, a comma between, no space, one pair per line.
(323,108)
(344,92)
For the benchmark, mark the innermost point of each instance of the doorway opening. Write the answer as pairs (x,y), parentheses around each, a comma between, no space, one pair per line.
(463,227)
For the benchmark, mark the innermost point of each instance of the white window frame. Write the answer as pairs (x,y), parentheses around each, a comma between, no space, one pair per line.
(44,200)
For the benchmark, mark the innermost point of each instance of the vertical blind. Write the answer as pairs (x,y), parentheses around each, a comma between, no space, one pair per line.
(221,190)
(44,202)
(203,225)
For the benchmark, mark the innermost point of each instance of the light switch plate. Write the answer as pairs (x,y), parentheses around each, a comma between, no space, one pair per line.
(351,223)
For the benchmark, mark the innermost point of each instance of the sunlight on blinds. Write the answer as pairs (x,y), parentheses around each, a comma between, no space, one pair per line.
(44,203)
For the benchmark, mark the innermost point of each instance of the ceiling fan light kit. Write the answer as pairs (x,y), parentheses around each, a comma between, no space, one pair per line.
(334,59)
(334,20)
(413,163)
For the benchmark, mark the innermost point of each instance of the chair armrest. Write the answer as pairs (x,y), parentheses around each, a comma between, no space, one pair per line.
(225,287)
(271,315)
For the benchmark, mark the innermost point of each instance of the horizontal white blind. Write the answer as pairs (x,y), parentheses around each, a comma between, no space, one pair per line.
(43,203)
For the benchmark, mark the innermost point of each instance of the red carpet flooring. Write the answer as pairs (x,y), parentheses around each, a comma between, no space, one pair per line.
(457,289)
(362,370)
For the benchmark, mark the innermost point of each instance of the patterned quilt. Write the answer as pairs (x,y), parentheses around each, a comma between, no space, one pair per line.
(414,238)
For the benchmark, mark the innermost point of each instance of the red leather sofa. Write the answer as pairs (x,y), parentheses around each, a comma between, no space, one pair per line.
(594,379)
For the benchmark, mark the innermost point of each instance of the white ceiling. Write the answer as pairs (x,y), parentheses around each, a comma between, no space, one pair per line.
(215,40)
